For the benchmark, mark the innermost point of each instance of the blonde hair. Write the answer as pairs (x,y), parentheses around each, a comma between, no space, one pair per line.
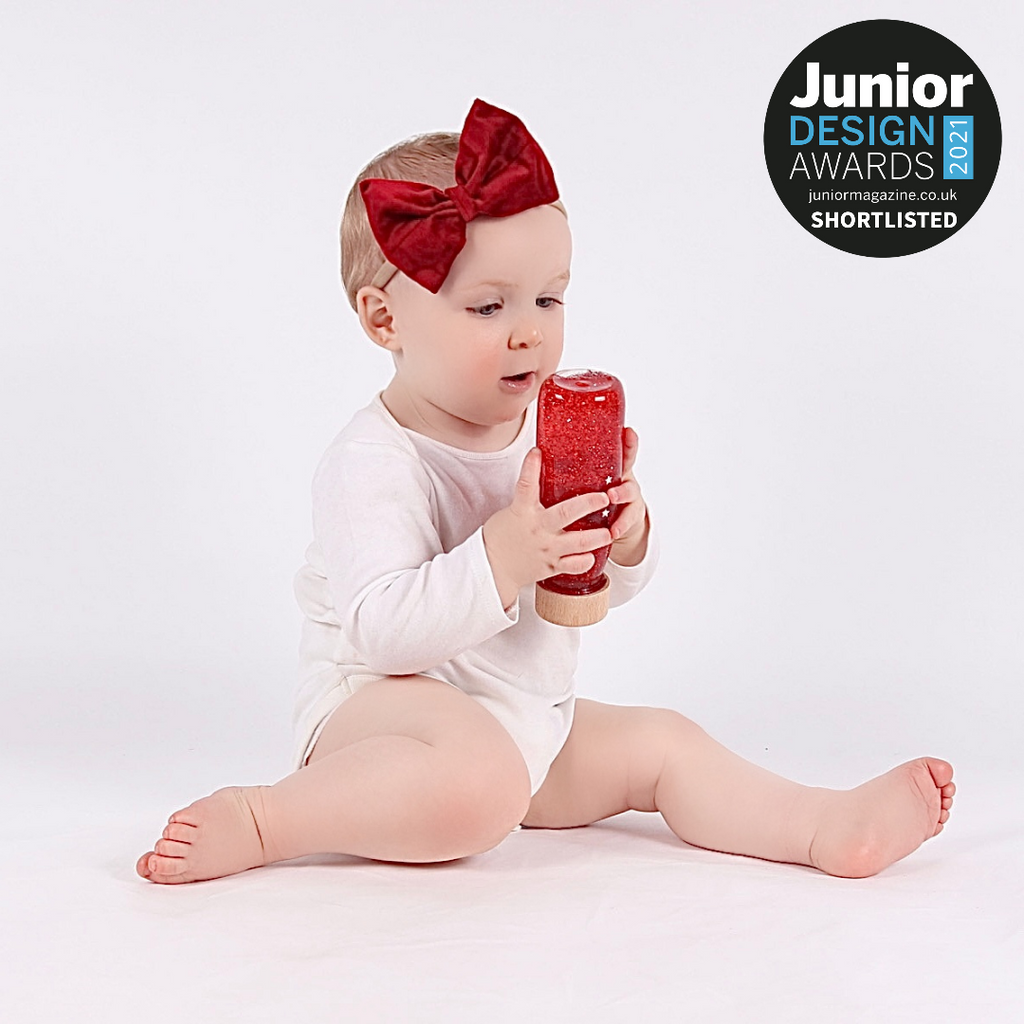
(429,158)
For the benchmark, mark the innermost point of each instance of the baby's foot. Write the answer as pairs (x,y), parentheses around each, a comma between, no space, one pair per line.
(217,835)
(866,829)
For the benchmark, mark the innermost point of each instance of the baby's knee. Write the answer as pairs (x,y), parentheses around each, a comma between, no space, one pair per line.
(667,728)
(482,803)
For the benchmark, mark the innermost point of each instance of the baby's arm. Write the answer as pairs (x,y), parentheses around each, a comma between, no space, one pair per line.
(407,605)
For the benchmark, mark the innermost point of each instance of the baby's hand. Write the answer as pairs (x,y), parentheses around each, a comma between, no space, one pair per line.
(629,531)
(527,542)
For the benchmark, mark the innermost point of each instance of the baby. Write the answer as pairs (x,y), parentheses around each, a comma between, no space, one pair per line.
(436,710)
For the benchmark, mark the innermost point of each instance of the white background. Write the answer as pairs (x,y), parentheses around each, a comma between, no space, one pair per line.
(831,444)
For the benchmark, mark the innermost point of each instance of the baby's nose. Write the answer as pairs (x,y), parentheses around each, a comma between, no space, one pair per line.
(526,336)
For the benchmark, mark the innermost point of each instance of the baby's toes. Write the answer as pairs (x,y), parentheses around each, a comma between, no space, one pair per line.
(165,867)
(186,816)
(171,848)
(142,865)
(943,817)
(180,832)
(941,772)
(947,792)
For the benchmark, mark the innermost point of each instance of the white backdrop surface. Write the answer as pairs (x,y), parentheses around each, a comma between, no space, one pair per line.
(831,444)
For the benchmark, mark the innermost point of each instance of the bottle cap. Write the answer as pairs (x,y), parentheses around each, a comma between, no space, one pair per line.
(572,609)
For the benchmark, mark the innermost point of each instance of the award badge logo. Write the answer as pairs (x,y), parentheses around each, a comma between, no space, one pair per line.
(882,138)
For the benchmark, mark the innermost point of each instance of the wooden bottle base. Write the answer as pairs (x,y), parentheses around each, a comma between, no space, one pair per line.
(571,609)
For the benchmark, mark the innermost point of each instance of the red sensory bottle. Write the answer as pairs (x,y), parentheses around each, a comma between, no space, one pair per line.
(580,417)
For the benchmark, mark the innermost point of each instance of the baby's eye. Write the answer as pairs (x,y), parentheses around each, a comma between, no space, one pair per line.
(549,298)
(486,310)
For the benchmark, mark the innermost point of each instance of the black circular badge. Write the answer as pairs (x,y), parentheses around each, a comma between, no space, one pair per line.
(882,138)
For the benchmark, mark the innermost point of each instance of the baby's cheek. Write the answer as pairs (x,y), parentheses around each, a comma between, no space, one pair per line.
(484,369)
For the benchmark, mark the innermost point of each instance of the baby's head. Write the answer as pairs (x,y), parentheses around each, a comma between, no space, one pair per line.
(473,320)
(428,158)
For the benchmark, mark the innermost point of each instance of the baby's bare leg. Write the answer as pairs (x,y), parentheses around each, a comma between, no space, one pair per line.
(407,769)
(619,758)
(713,798)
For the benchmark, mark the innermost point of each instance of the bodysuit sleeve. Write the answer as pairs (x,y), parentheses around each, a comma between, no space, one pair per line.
(626,581)
(404,603)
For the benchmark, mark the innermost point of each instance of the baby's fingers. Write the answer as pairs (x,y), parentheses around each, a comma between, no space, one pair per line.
(630,446)
(576,542)
(575,564)
(565,513)
(626,492)
(527,491)
(575,550)
(630,516)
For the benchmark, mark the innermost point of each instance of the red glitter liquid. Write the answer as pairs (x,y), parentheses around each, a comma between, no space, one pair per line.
(580,416)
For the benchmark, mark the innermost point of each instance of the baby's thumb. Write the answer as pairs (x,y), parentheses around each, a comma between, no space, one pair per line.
(528,484)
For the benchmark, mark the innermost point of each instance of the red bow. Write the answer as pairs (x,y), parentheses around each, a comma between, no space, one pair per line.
(500,170)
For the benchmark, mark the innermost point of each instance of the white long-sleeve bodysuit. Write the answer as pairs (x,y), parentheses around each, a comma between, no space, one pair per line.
(397,581)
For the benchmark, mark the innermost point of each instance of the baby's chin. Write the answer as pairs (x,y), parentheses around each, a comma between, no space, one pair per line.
(502,415)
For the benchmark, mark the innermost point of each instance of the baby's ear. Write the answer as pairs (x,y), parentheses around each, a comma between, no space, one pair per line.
(373,307)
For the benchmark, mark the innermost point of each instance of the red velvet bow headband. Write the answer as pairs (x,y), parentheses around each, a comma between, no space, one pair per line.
(499,171)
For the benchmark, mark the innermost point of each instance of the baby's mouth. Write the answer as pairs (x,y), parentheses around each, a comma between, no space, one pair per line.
(519,381)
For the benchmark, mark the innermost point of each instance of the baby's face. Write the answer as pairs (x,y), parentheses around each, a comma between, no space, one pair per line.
(479,349)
